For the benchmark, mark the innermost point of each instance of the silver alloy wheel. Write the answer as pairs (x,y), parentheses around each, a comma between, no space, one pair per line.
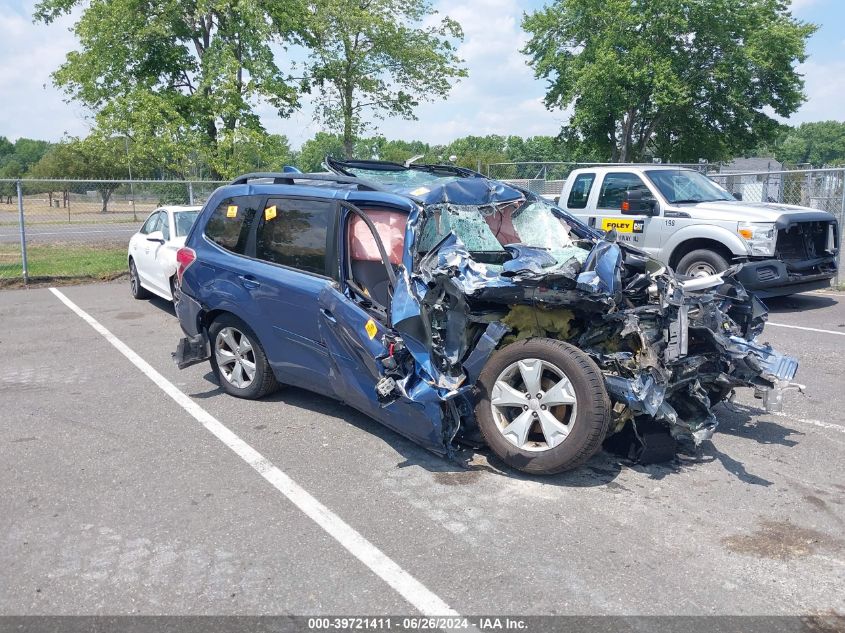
(235,357)
(533,404)
(134,283)
(700,269)
(175,292)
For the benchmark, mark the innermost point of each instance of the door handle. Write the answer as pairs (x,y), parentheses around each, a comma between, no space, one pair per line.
(249,282)
(329,316)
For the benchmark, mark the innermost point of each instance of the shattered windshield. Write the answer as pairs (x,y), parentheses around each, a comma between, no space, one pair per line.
(489,228)
(684,185)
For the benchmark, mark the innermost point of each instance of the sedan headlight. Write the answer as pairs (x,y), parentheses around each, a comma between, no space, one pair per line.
(761,237)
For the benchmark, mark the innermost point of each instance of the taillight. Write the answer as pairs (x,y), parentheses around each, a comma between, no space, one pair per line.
(184,257)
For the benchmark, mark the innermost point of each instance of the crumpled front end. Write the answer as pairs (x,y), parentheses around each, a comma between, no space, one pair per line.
(669,350)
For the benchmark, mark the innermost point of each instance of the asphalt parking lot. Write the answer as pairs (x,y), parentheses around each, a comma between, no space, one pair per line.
(114,499)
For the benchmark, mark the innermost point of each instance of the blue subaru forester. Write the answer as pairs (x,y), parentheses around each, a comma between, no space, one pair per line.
(458,309)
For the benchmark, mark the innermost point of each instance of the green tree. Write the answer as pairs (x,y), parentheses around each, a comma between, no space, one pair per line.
(92,158)
(157,70)
(6,148)
(314,150)
(381,57)
(819,143)
(679,79)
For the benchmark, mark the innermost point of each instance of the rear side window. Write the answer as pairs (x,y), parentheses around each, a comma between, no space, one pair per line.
(580,191)
(615,186)
(294,232)
(229,224)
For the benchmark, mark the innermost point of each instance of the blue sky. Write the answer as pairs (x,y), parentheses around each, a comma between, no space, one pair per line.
(481,104)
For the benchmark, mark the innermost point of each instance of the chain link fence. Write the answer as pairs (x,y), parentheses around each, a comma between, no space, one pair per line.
(547,178)
(77,229)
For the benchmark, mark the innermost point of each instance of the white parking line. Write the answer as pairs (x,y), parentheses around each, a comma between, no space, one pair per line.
(384,567)
(818,423)
(808,329)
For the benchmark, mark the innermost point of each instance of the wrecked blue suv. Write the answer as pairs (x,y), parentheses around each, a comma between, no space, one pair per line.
(457,309)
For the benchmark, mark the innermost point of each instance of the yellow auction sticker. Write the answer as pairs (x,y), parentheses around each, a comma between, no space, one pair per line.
(270,213)
(622,225)
(371,328)
(232,211)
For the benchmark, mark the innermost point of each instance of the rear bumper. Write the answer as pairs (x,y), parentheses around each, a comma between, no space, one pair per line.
(773,278)
(194,348)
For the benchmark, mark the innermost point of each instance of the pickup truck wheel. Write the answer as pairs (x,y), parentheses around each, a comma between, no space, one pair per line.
(238,360)
(700,263)
(543,407)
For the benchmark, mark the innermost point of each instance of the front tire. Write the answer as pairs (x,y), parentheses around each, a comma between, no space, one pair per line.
(238,360)
(138,291)
(543,407)
(701,262)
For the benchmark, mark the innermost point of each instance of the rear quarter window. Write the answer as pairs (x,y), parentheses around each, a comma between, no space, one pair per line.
(230,223)
(580,192)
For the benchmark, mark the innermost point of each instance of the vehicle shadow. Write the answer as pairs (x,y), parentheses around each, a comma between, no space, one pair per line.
(163,304)
(741,420)
(798,303)
(468,464)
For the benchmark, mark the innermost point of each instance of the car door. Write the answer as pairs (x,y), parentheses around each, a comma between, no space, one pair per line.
(292,265)
(642,231)
(354,328)
(143,250)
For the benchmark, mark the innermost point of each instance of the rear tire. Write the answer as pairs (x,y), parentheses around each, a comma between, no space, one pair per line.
(138,291)
(175,292)
(701,262)
(572,385)
(238,360)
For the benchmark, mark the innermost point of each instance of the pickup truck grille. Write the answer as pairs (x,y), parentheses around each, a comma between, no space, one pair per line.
(802,241)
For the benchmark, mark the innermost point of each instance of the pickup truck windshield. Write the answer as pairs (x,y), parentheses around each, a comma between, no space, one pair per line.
(684,185)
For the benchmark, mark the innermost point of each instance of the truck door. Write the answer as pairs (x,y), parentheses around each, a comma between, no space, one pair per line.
(578,197)
(642,231)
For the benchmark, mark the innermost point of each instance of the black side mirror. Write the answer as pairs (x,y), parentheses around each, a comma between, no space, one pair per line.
(738,195)
(635,203)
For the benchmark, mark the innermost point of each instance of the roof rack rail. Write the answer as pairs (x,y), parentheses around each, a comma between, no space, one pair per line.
(290,178)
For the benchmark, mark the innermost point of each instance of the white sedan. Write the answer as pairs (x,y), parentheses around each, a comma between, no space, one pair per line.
(152,252)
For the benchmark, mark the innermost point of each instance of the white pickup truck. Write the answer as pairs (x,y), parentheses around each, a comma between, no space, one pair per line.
(689,222)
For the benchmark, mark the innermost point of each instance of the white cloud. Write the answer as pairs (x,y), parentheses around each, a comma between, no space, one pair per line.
(800,5)
(29,53)
(824,85)
(500,95)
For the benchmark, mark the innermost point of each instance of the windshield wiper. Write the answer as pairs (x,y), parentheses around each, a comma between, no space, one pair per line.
(689,200)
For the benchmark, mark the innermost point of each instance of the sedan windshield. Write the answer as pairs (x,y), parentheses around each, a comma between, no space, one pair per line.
(685,185)
(184,220)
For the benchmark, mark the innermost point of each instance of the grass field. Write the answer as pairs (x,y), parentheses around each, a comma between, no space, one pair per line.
(62,260)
